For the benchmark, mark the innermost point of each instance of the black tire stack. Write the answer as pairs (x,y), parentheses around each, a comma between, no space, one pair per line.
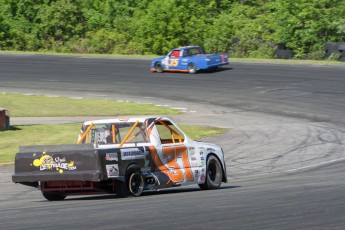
(341,49)
(282,52)
(333,48)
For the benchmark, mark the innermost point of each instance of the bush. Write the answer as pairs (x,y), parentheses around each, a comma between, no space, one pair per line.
(334,56)
(104,41)
(253,48)
(316,55)
(264,50)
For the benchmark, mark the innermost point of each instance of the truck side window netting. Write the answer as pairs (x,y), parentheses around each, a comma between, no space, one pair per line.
(168,133)
(137,132)
(115,133)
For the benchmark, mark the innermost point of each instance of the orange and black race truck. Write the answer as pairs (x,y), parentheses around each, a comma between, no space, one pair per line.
(123,157)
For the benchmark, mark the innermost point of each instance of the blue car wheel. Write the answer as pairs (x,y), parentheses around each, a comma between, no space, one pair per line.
(192,68)
(159,67)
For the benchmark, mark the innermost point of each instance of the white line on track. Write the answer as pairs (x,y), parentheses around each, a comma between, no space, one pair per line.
(179,108)
(290,170)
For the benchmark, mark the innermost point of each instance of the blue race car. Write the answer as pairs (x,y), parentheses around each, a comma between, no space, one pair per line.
(189,59)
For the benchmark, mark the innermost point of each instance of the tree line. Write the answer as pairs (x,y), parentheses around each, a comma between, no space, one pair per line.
(246,28)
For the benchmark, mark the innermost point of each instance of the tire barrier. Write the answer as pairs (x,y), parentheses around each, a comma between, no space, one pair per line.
(4,119)
(283,54)
(332,50)
(341,49)
(281,46)
(335,49)
(341,46)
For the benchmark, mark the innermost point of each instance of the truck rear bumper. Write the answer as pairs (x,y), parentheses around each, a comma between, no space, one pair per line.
(38,176)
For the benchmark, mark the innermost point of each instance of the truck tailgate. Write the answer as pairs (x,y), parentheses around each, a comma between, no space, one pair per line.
(57,162)
(216,59)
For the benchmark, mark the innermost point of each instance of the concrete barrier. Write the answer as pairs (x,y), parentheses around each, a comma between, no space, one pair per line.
(4,119)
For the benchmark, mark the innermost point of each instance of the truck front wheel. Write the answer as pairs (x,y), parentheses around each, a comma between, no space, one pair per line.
(214,174)
(159,67)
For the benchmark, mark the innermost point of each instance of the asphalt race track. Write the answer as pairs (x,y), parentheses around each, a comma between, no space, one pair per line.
(285,149)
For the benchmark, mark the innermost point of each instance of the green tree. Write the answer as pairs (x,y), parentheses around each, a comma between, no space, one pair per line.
(19,29)
(305,24)
(58,22)
(252,27)
(156,26)
(159,28)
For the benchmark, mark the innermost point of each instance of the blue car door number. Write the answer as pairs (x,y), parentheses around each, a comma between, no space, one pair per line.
(173,62)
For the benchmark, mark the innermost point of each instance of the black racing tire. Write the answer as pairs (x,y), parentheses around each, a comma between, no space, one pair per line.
(136,183)
(192,68)
(53,196)
(159,67)
(133,184)
(284,54)
(331,47)
(214,174)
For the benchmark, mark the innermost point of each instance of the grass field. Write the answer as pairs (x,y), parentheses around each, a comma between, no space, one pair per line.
(43,106)
(37,106)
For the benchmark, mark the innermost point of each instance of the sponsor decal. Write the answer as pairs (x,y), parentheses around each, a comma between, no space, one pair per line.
(47,162)
(131,154)
(165,61)
(112,170)
(196,173)
(111,157)
(193,162)
(202,177)
(191,151)
(202,158)
(211,150)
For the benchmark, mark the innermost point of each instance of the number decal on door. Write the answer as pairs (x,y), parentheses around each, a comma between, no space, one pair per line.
(173,62)
(181,152)
(172,168)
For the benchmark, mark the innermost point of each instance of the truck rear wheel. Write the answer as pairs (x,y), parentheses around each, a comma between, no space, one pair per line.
(214,174)
(53,196)
(136,184)
(133,184)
